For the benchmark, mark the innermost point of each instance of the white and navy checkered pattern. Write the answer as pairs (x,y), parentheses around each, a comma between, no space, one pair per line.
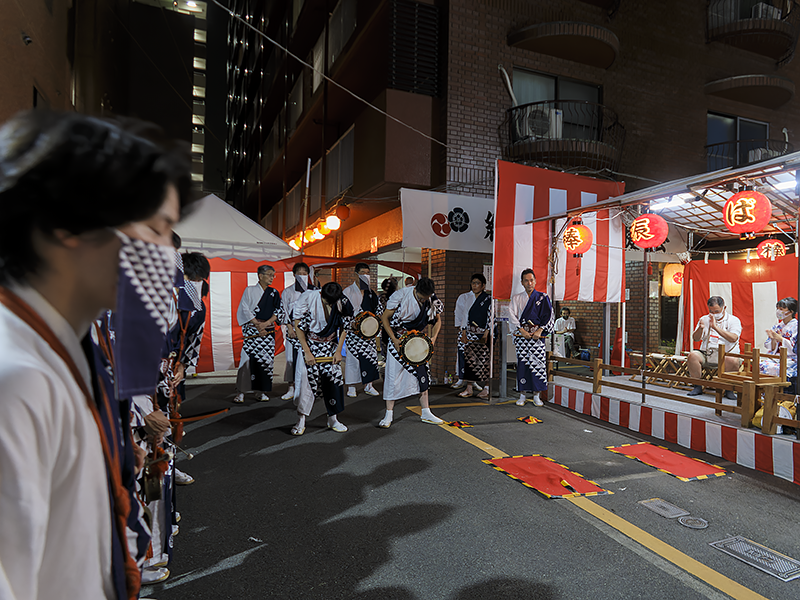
(151,269)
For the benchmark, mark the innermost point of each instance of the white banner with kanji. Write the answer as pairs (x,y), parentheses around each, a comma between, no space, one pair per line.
(447,221)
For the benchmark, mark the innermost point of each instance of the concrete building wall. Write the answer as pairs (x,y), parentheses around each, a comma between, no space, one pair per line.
(42,63)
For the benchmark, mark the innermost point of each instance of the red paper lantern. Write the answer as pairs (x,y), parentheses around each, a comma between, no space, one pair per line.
(577,239)
(765,249)
(747,212)
(649,231)
(342,212)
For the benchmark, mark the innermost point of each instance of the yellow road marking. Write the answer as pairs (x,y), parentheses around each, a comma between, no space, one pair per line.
(470,439)
(673,555)
(684,561)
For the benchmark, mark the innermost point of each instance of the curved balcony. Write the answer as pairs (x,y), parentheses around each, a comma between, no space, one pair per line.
(744,152)
(766,27)
(563,134)
(584,43)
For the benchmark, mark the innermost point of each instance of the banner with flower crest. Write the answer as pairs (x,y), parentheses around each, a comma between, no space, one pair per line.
(447,221)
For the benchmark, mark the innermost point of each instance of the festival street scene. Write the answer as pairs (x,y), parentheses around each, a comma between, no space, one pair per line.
(399,299)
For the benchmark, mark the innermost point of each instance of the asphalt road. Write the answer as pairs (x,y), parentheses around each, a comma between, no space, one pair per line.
(412,512)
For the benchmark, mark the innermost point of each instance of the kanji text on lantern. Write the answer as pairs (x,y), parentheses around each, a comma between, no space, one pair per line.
(740,212)
(640,230)
(572,238)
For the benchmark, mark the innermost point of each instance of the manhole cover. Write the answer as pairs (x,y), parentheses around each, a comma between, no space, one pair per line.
(663,508)
(693,522)
(776,564)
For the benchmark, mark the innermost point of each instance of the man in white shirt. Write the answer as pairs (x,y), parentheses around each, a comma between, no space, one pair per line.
(461,319)
(70,185)
(565,325)
(715,328)
(247,319)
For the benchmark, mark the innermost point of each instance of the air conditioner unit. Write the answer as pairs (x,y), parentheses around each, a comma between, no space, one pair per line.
(542,123)
(762,10)
(757,154)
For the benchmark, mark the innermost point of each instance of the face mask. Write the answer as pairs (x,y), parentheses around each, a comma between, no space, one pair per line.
(141,319)
(191,293)
(719,317)
(301,283)
(781,315)
(363,282)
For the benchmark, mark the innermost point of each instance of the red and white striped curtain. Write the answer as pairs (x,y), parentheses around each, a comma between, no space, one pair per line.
(525,193)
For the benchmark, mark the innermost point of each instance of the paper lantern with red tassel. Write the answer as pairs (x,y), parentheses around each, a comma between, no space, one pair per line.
(577,238)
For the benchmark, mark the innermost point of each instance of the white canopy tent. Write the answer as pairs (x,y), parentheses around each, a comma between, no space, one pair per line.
(218,230)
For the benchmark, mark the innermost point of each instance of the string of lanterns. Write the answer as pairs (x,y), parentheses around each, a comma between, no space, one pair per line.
(321,229)
(745,213)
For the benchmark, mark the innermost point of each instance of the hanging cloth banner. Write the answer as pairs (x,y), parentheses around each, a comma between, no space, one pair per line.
(525,193)
(447,221)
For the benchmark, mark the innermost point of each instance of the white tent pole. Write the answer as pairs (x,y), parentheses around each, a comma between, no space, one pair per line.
(305,207)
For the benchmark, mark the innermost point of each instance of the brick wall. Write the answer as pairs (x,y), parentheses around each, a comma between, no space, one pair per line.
(656,85)
(451,272)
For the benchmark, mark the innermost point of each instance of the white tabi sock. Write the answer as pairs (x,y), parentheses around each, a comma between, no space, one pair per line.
(387,420)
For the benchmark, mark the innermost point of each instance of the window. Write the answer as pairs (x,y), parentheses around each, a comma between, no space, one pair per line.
(341,27)
(537,87)
(557,108)
(733,141)
(317,61)
(339,166)
(295,104)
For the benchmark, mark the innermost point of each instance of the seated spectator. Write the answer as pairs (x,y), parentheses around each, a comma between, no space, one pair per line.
(713,329)
(566,324)
(783,334)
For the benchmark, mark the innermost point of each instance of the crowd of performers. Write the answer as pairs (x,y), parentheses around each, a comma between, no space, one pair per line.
(100,317)
(319,325)
(321,322)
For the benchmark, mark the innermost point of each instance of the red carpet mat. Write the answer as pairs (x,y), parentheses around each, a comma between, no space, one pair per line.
(546,476)
(673,463)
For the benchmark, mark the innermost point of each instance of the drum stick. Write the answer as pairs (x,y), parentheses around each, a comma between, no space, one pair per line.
(258,335)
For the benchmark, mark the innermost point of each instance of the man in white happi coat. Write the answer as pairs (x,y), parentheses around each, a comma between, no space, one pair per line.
(248,319)
(412,308)
(290,295)
(63,502)
(322,319)
(361,364)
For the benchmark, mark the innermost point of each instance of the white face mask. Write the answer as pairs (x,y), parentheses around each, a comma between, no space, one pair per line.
(781,314)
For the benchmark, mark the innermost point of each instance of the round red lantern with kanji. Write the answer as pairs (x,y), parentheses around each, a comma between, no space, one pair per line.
(771,249)
(577,238)
(747,212)
(649,231)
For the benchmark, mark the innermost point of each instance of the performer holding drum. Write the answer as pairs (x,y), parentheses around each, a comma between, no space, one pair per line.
(407,314)
(531,317)
(361,365)
(321,320)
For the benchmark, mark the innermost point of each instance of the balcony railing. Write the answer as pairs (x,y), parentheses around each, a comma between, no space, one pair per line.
(743,152)
(766,27)
(563,133)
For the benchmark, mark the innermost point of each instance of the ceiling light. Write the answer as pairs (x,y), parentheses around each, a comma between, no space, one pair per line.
(191,4)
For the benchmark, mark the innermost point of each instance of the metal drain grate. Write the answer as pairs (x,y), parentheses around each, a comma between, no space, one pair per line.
(663,508)
(776,564)
(693,522)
